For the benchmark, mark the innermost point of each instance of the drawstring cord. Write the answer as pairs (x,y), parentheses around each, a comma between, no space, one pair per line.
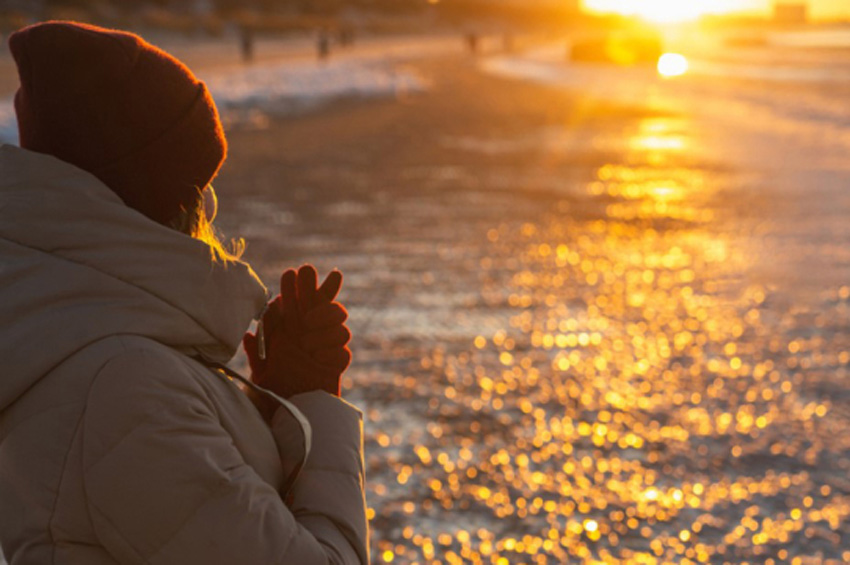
(300,419)
(261,328)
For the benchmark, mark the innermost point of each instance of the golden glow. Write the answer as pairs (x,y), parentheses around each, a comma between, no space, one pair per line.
(658,137)
(672,65)
(667,11)
(630,397)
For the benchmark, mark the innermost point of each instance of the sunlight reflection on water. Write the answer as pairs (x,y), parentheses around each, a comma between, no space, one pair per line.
(642,402)
(567,350)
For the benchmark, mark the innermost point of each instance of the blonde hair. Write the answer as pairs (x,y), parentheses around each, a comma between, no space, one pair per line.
(193,222)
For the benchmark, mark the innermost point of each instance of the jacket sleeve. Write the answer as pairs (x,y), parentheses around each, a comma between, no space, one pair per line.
(329,492)
(165,485)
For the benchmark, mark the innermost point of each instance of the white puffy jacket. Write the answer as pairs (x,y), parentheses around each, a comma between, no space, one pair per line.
(116,446)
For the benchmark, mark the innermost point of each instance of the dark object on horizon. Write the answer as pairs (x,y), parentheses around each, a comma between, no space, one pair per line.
(790,13)
(472,43)
(345,36)
(323,45)
(246,43)
(618,50)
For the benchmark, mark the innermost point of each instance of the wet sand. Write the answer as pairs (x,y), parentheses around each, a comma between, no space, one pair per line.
(564,346)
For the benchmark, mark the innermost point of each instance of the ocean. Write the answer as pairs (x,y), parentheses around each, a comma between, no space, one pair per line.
(776,109)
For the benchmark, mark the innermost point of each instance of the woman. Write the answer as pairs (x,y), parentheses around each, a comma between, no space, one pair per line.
(123,439)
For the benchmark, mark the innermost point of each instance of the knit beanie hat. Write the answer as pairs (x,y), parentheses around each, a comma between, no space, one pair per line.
(118,107)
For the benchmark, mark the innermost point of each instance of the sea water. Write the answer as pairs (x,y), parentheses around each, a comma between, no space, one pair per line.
(643,362)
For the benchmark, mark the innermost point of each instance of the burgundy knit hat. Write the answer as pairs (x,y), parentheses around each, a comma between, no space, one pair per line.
(118,107)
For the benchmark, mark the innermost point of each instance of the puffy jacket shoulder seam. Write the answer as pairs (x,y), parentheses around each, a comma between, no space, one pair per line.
(77,431)
(62,475)
(89,504)
(117,356)
(125,349)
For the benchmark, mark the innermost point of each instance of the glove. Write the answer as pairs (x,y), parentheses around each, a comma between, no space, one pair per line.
(305,337)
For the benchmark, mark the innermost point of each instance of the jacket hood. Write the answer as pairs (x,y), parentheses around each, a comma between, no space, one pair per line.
(78,265)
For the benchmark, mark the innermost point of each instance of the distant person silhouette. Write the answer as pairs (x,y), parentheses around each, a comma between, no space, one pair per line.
(323,45)
(123,437)
(246,43)
(346,36)
(472,43)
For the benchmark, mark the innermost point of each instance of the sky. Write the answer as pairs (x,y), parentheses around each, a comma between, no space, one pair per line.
(818,8)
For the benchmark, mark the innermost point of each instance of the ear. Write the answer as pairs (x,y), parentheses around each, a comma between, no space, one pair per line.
(210,203)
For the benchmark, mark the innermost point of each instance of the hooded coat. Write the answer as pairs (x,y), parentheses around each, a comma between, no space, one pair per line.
(117,445)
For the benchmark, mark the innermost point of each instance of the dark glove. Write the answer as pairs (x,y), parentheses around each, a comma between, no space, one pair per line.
(305,337)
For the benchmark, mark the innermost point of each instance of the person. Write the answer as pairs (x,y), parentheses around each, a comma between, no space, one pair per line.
(323,45)
(124,438)
(246,43)
(472,42)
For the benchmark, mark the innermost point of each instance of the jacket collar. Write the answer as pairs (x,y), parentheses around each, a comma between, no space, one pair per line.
(77,265)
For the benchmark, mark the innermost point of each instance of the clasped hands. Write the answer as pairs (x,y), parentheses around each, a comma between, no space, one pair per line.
(305,338)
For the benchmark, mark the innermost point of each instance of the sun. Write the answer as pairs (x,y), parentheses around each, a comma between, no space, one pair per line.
(672,65)
(665,11)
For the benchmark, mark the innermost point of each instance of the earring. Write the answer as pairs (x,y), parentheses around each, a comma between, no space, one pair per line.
(210,203)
